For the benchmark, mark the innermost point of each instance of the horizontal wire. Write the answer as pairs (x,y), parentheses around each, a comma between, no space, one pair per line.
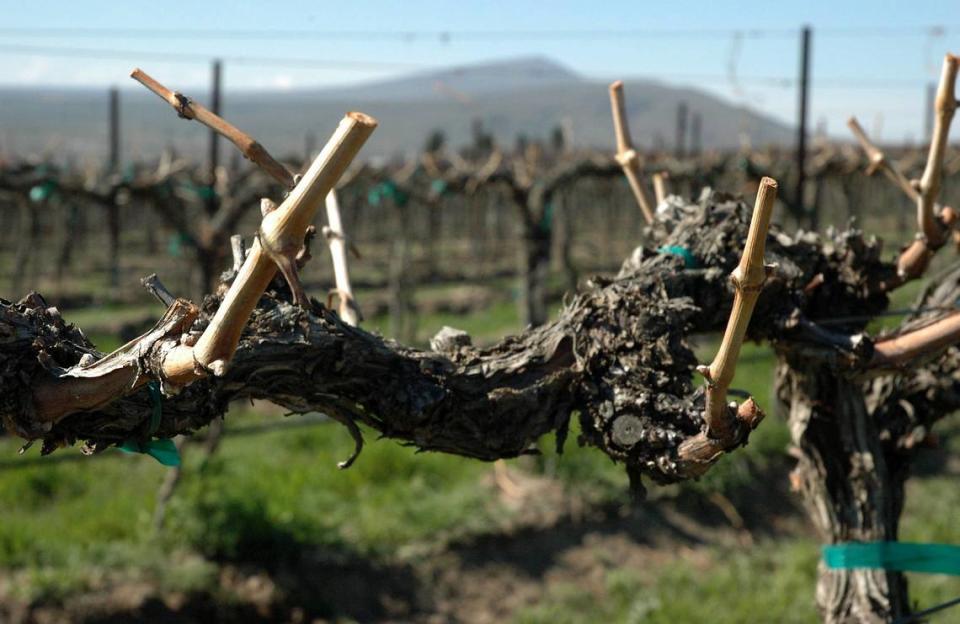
(832,82)
(443,36)
(192,57)
(446,36)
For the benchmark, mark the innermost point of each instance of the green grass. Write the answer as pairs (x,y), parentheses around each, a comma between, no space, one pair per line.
(72,527)
(52,512)
(261,497)
(115,313)
(930,517)
(930,514)
(771,582)
(279,492)
(283,488)
(484,326)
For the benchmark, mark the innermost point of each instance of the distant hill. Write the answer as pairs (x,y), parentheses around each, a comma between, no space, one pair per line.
(471,81)
(528,96)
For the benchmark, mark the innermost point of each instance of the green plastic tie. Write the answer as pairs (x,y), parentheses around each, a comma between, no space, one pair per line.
(162,450)
(129,173)
(898,556)
(546,221)
(438,187)
(42,191)
(175,246)
(387,189)
(689,261)
(207,192)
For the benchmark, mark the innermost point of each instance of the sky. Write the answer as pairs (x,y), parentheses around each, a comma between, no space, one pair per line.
(870,58)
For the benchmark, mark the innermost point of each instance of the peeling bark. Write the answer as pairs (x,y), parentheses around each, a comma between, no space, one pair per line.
(851,489)
(617,354)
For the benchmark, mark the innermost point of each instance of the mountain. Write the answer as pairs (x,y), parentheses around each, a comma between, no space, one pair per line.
(470,81)
(528,96)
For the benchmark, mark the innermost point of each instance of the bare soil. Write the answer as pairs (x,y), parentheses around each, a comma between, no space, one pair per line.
(556,540)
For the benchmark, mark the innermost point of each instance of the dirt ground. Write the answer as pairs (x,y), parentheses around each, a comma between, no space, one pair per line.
(556,541)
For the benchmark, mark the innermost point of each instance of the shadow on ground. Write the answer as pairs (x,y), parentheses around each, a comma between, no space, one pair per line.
(486,578)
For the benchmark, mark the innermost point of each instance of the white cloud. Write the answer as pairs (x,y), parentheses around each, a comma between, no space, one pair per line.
(283,82)
(35,70)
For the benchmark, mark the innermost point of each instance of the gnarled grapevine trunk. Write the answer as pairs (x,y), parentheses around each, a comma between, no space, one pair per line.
(534,273)
(617,355)
(29,235)
(851,492)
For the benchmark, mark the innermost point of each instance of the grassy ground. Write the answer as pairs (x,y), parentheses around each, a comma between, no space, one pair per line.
(76,527)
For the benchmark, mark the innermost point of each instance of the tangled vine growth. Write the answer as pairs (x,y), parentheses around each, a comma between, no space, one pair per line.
(618,356)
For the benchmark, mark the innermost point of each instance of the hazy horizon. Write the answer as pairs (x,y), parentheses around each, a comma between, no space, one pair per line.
(502,95)
(872,59)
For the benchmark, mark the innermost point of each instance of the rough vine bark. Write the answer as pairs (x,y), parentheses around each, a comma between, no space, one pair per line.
(617,355)
(856,440)
(852,490)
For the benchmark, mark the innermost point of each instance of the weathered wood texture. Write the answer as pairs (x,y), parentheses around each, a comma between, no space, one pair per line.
(617,354)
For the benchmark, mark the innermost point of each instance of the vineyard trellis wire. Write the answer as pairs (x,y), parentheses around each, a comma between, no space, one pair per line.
(617,355)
